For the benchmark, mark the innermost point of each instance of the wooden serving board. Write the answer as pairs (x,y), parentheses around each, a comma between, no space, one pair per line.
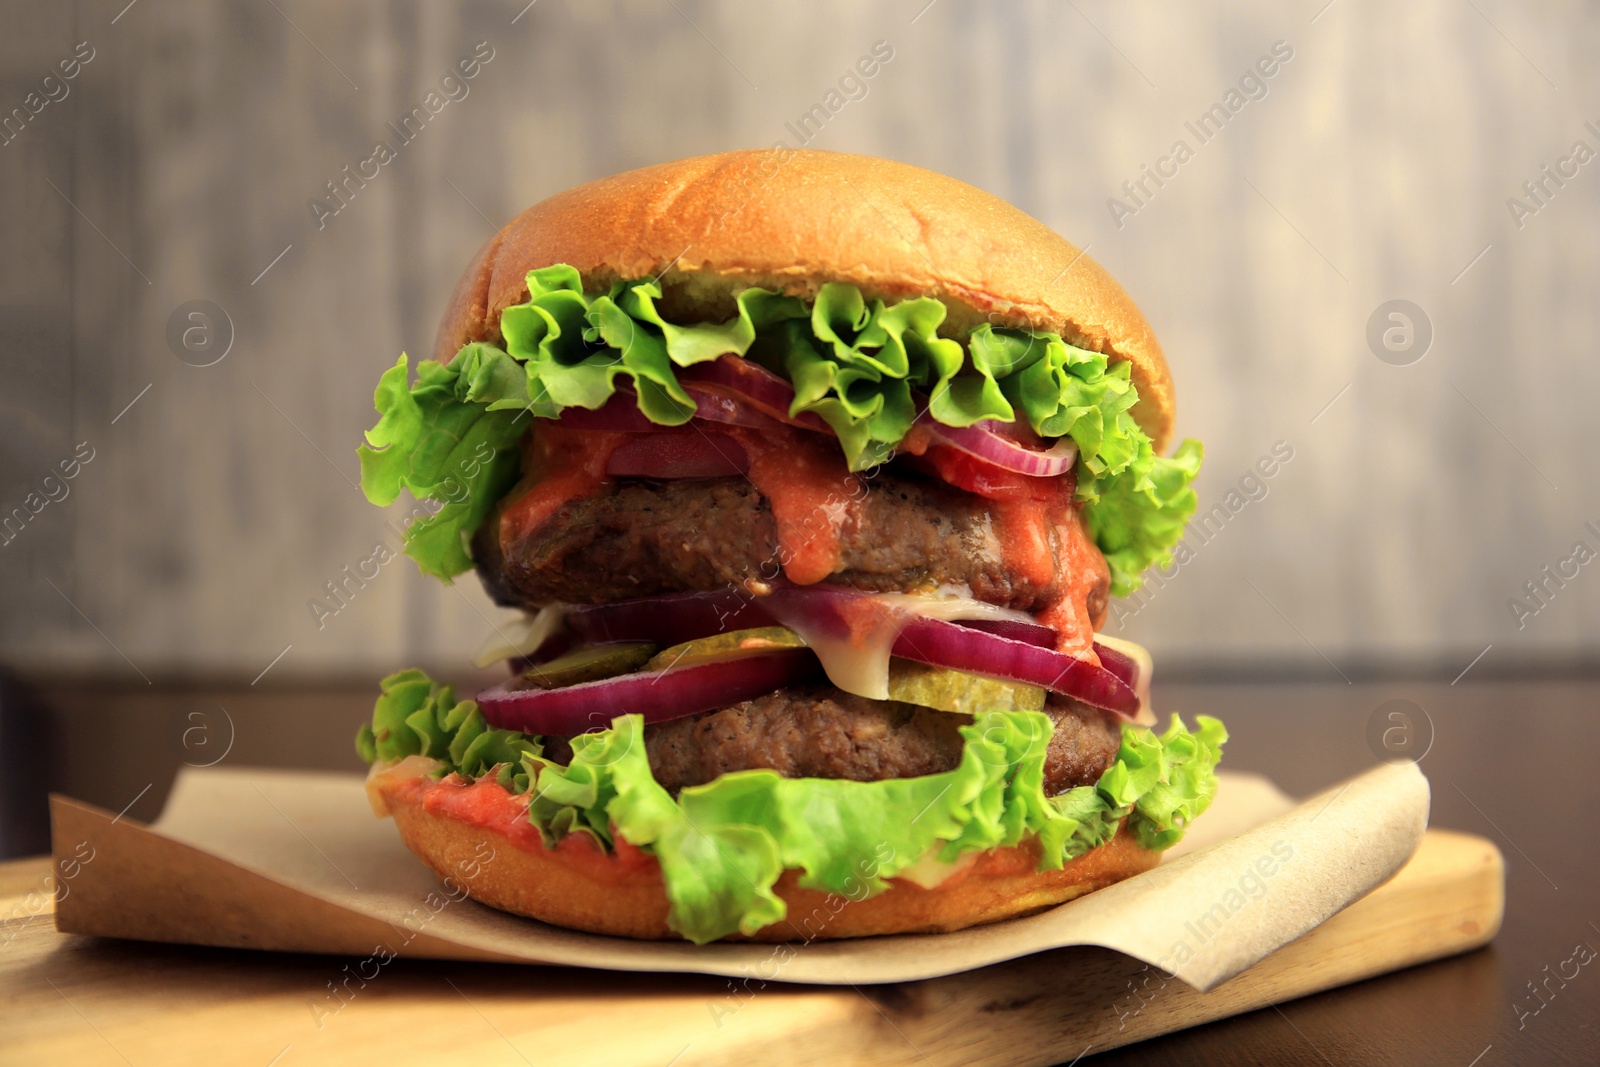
(80,1000)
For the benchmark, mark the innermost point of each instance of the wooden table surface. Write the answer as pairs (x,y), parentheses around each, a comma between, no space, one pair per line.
(1511,760)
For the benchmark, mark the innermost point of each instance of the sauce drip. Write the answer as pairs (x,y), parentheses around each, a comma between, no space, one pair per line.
(560,465)
(1041,533)
(1043,537)
(1084,579)
(812,493)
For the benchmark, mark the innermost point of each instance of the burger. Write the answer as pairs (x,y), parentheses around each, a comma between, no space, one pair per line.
(811,476)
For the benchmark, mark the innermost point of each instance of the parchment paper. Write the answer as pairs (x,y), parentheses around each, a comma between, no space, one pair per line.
(297,862)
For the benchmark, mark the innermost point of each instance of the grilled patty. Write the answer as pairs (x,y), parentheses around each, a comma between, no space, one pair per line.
(645,538)
(818,731)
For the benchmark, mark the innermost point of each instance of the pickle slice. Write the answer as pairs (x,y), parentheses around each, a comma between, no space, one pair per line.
(731,645)
(590,663)
(947,690)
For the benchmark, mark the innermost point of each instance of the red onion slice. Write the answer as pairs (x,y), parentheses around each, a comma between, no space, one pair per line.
(668,620)
(715,406)
(1118,664)
(621,413)
(656,695)
(769,392)
(983,441)
(1128,661)
(1033,633)
(945,644)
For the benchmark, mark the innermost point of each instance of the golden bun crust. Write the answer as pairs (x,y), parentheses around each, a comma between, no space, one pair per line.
(609,895)
(793,219)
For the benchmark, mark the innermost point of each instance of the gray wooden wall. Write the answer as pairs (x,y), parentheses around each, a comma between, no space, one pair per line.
(1375,164)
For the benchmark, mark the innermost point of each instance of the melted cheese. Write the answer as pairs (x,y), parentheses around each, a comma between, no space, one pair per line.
(855,642)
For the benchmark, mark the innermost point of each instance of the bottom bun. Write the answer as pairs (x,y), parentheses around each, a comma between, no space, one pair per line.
(478,836)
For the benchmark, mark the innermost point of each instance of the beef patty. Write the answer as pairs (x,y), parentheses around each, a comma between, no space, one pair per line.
(818,731)
(646,538)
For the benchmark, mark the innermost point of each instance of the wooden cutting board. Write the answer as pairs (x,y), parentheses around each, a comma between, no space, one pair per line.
(67,999)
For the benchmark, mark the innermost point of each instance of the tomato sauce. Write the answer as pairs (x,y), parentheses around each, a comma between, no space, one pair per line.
(487,805)
(1080,605)
(561,465)
(1041,531)
(814,497)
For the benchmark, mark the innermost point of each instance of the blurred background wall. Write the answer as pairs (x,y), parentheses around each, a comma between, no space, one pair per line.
(1336,159)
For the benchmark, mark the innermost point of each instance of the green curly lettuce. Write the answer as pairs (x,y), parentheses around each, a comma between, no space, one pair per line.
(451,437)
(722,846)
(1137,517)
(416,716)
(860,366)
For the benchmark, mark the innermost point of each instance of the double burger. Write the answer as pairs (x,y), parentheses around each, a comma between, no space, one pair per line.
(811,476)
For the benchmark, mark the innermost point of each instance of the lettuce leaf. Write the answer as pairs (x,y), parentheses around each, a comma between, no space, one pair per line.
(722,846)
(1137,516)
(416,716)
(862,367)
(445,439)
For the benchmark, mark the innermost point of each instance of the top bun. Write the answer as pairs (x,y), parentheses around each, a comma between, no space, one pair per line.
(794,219)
